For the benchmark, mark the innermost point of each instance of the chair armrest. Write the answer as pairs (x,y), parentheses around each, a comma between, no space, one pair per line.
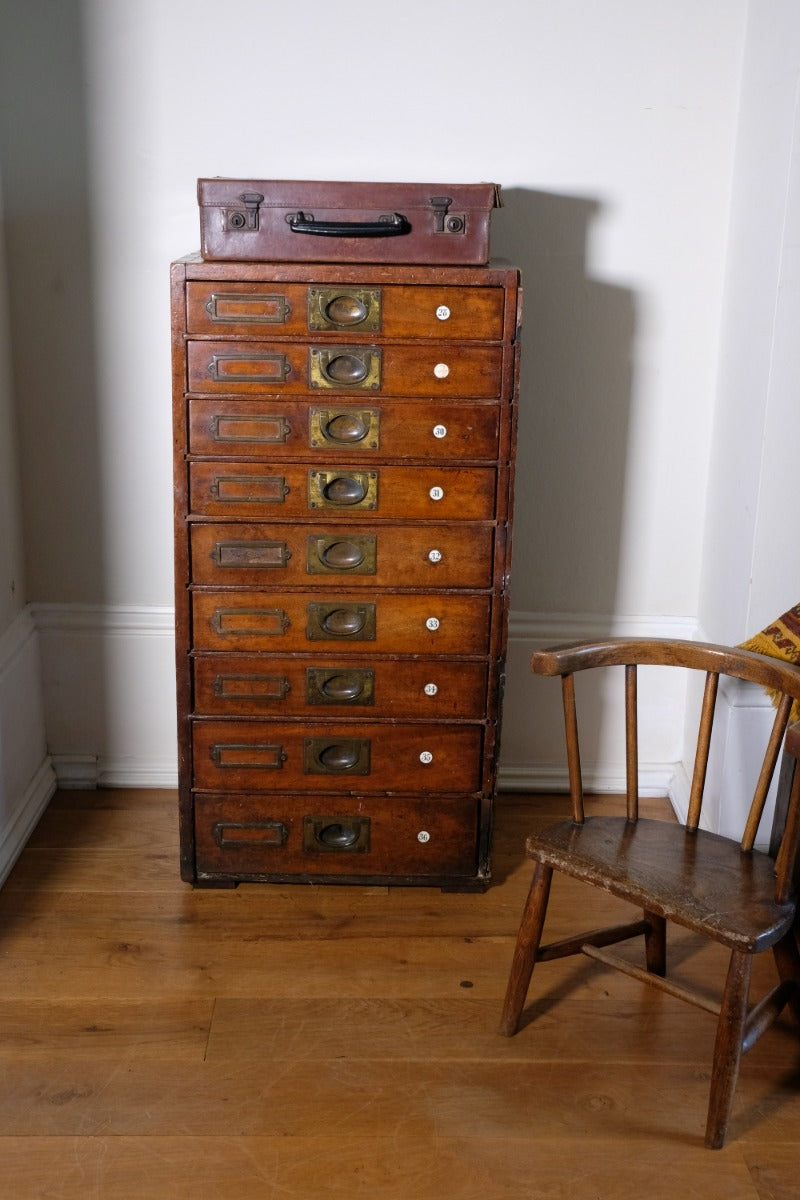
(769,672)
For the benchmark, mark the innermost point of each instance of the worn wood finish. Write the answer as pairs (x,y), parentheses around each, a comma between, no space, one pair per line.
(241,490)
(371,687)
(304,1041)
(399,432)
(405,312)
(283,621)
(740,898)
(391,556)
(344,460)
(234,755)
(285,368)
(248,219)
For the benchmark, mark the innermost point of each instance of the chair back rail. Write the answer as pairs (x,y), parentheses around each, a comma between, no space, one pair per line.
(767,771)
(630,653)
(701,754)
(573,747)
(631,743)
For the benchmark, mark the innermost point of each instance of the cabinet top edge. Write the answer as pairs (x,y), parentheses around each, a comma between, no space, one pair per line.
(497,272)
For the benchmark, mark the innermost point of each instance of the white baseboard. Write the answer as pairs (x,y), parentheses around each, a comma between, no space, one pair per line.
(110,702)
(109,686)
(15,832)
(552,628)
(109,690)
(27,780)
(653,780)
(100,681)
(532,755)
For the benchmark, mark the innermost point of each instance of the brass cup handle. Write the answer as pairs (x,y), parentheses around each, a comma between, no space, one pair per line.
(337,836)
(344,620)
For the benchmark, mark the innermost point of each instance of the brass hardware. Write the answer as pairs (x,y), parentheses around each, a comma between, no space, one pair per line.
(333,621)
(345,427)
(444,221)
(344,367)
(344,308)
(229,368)
(251,687)
(266,489)
(339,685)
(324,756)
(257,309)
(249,757)
(334,489)
(333,554)
(233,622)
(230,834)
(336,834)
(276,429)
(251,554)
(234,220)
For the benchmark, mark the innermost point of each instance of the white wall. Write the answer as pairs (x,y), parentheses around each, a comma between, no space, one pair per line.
(611,125)
(26,777)
(752,559)
(12,583)
(751,555)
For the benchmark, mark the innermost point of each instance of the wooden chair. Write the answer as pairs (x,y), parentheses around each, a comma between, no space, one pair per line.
(738,896)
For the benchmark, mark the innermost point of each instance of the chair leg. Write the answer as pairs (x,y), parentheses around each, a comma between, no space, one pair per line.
(528,939)
(655,944)
(728,1048)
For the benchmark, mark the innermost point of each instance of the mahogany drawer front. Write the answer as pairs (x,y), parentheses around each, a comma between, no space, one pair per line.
(254,835)
(427,556)
(343,466)
(344,310)
(343,622)
(332,686)
(235,755)
(276,491)
(434,430)
(394,369)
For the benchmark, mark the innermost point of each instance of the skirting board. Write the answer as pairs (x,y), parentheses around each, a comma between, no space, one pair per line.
(109,688)
(532,754)
(110,697)
(109,700)
(27,779)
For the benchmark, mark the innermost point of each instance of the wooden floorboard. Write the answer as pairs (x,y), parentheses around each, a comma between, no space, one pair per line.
(305,1042)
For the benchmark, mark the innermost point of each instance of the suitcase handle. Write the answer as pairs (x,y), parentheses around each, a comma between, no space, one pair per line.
(390,226)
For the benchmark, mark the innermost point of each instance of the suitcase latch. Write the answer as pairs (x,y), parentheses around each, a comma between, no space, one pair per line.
(443,221)
(236,219)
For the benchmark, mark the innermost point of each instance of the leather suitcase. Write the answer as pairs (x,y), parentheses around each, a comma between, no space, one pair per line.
(288,221)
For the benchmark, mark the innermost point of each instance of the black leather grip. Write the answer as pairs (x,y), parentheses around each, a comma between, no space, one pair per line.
(388,227)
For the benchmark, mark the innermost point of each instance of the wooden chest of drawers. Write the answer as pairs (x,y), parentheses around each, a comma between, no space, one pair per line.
(344,446)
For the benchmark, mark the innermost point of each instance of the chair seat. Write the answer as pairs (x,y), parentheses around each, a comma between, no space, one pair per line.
(700,880)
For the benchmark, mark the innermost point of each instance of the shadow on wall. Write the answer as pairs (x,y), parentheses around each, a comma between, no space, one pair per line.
(45,165)
(575,401)
(575,413)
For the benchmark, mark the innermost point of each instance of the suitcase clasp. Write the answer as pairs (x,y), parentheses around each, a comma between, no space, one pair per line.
(442,223)
(236,219)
